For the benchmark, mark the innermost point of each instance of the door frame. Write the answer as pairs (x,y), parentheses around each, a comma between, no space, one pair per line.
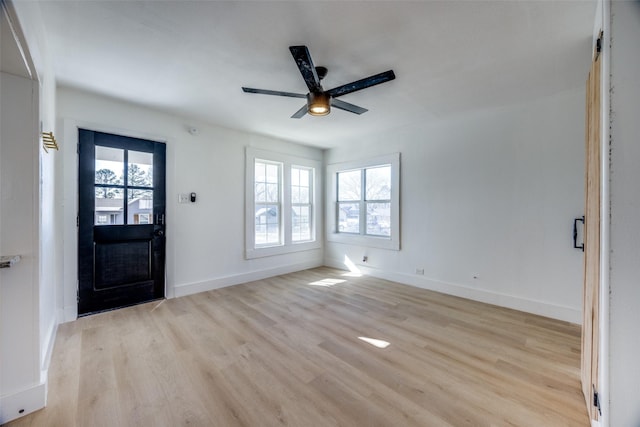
(143,286)
(69,182)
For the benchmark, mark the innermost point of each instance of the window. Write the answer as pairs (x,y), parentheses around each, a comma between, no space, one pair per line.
(142,218)
(365,212)
(123,175)
(281,203)
(267,202)
(301,206)
(366,202)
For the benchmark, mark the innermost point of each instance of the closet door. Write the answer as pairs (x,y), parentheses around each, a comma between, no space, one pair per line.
(591,292)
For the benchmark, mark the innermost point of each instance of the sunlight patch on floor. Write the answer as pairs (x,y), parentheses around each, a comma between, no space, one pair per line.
(374,342)
(354,271)
(327,282)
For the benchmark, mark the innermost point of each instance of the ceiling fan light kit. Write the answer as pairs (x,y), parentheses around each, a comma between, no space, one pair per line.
(319,101)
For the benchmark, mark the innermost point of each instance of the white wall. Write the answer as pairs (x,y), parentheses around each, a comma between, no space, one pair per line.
(491,194)
(21,387)
(624,273)
(34,43)
(205,240)
(28,107)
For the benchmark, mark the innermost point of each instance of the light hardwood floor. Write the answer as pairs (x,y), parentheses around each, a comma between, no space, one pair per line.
(286,351)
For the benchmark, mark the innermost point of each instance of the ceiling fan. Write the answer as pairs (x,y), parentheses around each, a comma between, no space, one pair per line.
(320,101)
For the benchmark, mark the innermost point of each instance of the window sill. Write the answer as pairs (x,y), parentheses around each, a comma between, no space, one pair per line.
(281,250)
(368,241)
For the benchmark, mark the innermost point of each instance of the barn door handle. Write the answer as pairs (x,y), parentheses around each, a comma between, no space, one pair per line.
(575,233)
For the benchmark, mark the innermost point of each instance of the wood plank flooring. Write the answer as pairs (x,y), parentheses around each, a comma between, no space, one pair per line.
(286,351)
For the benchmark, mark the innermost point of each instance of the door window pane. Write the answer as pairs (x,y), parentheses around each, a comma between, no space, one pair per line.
(139,206)
(142,218)
(109,206)
(140,169)
(349,185)
(109,165)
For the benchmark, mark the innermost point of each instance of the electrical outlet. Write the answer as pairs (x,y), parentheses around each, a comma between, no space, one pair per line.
(183,198)
(420,271)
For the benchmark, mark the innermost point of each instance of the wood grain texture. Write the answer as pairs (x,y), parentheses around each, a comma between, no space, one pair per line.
(285,351)
(591,286)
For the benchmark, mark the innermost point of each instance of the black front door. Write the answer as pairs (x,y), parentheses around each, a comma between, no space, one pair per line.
(121,221)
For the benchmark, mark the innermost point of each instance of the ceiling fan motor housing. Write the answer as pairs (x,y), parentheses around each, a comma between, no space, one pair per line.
(318,103)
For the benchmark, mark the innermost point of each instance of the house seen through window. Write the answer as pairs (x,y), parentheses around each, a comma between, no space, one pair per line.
(113,186)
(267,202)
(364,201)
(364,207)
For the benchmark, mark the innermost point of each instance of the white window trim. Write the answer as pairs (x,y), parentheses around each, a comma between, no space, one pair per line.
(279,203)
(382,242)
(287,245)
(312,198)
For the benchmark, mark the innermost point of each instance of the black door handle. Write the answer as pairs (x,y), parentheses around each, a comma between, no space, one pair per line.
(575,233)
(159,233)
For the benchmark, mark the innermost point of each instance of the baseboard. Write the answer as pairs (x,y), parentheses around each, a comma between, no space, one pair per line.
(541,308)
(235,279)
(49,342)
(24,402)
(70,314)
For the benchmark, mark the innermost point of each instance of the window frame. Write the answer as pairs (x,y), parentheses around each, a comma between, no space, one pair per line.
(279,203)
(286,245)
(127,188)
(310,204)
(331,214)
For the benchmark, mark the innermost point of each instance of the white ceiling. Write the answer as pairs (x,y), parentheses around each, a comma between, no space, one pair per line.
(192,57)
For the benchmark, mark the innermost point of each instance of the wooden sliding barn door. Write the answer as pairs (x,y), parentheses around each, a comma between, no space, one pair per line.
(590,329)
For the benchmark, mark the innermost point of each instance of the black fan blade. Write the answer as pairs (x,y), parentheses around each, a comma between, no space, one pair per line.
(362,84)
(273,92)
(301,112)
(303,60)
(348,107)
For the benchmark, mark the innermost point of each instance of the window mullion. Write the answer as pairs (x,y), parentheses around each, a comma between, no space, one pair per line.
(125,210)
(285,216)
